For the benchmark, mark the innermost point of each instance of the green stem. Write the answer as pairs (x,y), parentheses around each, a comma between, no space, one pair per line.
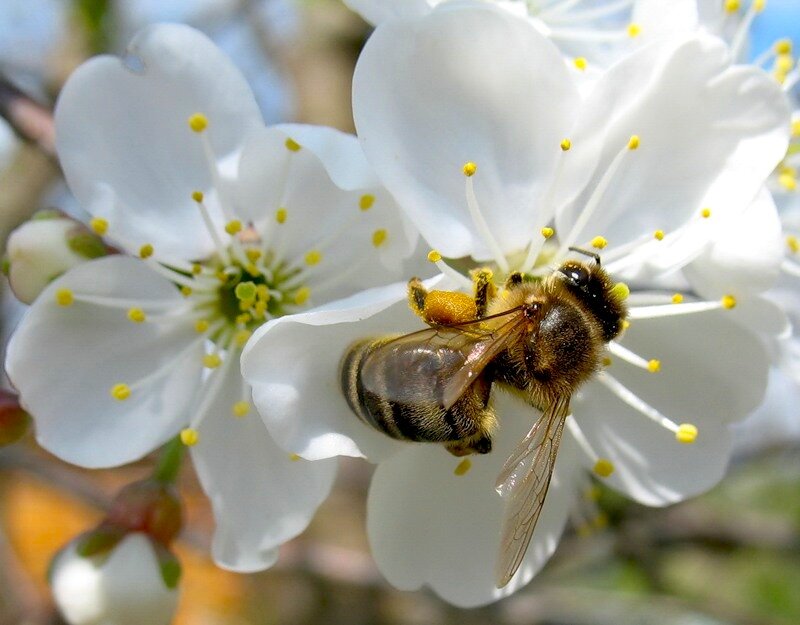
(169,463)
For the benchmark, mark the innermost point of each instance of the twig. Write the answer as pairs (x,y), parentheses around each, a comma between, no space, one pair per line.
(31,121)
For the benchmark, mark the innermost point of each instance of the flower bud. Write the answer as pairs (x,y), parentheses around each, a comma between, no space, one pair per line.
(14,421)
(132,584)
(43,248)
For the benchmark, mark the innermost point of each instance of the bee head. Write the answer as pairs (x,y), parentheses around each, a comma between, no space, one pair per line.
(592,286)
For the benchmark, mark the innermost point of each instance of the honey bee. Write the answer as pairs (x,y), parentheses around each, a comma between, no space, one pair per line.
(539,338)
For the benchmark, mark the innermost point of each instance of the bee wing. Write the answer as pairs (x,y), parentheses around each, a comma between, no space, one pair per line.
(524,481)
(438,364)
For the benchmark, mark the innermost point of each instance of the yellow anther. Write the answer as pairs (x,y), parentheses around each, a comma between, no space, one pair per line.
(221,276)
(677,298)
(593,493)
(201,325)
(197,269)
(294,457)
(603,467)
(198,122)
(658,235)
(280,215)
(731,6)
(654,366)
(449,307)
(302,295)
(241,337)
(687,433)
(120,392)
(796,128)
(705,213)
(580,62)
(379,237)
(793,243)
(566,144)
(784,63)
(547,232)
(462,467)
(189,437)
(434,256)
(366,201)
(252,254)
(633,142)
(788,182)
(729,301)
(212,361)
(626,324)
(137,315)
(259,309)
(634,30)
(197,196)
(146,251)
(606,361)
(246,304)
(313,257)
(599,242)
(233,227)
(240,408)
(262,292)
(64,297)
(99,225)
(620,291)
(252,269)
(759,5)
(783,46)
(243,318)
(292,145)
(186,291)
(469,169)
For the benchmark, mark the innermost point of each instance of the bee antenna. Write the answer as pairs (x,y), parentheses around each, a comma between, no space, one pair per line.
(594,255)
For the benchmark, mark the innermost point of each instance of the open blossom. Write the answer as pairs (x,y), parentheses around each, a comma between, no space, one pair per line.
(477,128)
(225,224)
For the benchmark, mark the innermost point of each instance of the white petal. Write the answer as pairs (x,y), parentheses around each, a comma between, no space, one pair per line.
(428,526)
(377,11)
(125,144)
(65,360)
(713,373)
(292,364)
(664,18)
(709,136)
(469,82)
(261,497)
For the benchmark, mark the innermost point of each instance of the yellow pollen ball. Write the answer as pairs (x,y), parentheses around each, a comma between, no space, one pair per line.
(99,225)
(233,227)
(633,142)
(620,291)
(449,307)
(137,315)
(677,298)
(280,215)
(599,242)
(292,145)
(469,169)
(197,196)
(548,232)
(64,297)
(793,243)
(212,361)
(606,361)
(784,63)
(200,326)
(241,337)
(366,202)
(294,457)
(146,251)
(731,6)
(654,366)
(463,466)
(634,30)
(198,122)
(313,257)
(189,437)
(658,235)
(759,5)
(566,144)
(788,182)
(705,213)
(580,62)
(120,392)
(186,291)
(434,256)
(796,128)
(197,269)
(240,408)
(379,237)
(626,324)
(252,254)
(603,467)
(728,302)
(593,493)
(783,46)
(686,434)
(302,295)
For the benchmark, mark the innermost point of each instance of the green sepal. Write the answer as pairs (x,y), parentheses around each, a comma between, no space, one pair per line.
(5,264)
(47,213)
(87,245)
(99,541)
(169,565)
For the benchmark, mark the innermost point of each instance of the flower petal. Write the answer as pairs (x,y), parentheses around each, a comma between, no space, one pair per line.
(430,526)
(261,497)
(125,144)
(469,82)
(65,360)
(377,11)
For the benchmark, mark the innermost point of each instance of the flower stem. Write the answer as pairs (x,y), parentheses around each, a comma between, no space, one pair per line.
(169,463)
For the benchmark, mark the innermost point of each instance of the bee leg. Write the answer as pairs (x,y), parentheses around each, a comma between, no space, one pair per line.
(514,279)
(483,289)
(478,444)
(417,294)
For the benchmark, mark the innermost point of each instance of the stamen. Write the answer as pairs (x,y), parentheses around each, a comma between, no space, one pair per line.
(479,221)
(744,26)
(669,310)
(793,243)
(634,30)
(634,401)
(99,225)
(547,232)
(566,144)
(581,64)
(366,201)
(292,145)
(460,279)
(137,315)
(705,213)
(313,258)
(120,391)
(658,235)
(599,243)
(280,215)
(240,409)
(677,298)
(65,297)
(463,467)
(601,466)
(189,437)
(198,197)
(379,237)
(146,251)
(233,227)
(633,358)
(212,361)
(198,122)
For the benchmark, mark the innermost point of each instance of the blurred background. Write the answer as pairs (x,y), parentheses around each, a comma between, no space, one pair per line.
(729,557)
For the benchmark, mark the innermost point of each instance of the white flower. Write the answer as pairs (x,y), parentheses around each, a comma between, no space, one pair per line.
(671,140)
(122,587)
(232,224)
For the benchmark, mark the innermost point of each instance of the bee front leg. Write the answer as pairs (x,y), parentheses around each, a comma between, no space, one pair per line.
(417,294)
(483,289)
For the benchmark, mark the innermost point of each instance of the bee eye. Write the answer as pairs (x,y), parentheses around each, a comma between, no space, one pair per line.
(576,274)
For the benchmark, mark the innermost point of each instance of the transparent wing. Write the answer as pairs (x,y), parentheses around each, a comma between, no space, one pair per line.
(524,482)
(438,364)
